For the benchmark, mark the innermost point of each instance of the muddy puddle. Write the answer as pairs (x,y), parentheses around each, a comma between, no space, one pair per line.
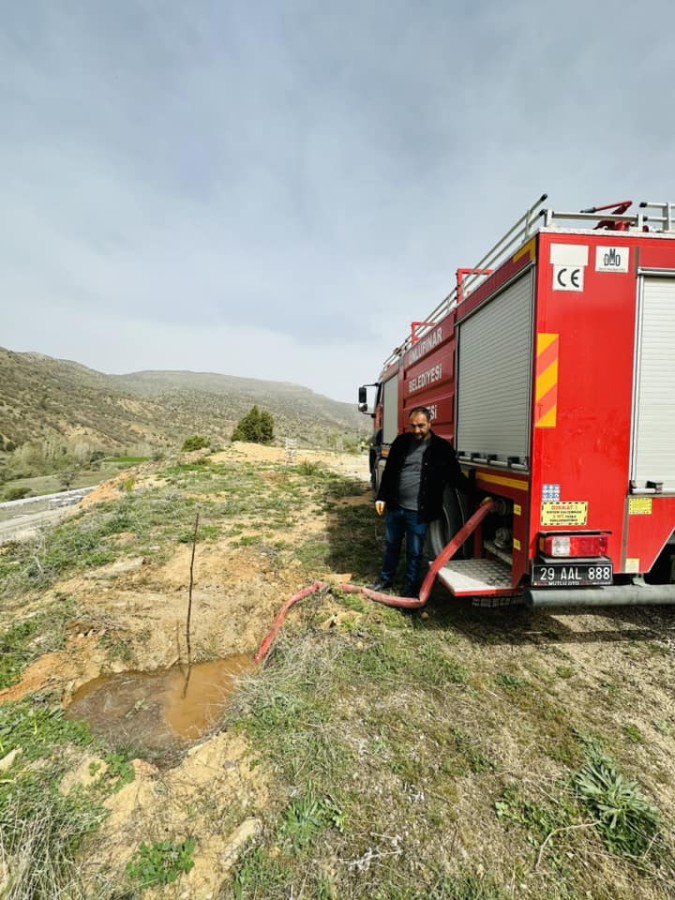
(159,711)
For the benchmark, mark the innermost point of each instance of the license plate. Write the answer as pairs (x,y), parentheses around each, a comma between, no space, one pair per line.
(562,573)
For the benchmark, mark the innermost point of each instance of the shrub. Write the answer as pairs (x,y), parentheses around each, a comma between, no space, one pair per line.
(196,442)
(17,493)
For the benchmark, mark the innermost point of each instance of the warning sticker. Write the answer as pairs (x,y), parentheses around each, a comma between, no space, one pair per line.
(639,506)
(564,512)
(550,492)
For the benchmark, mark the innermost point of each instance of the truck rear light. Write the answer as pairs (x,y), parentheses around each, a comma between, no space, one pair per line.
(573,545)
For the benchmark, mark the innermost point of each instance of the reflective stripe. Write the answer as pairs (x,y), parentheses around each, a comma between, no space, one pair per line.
(546,384)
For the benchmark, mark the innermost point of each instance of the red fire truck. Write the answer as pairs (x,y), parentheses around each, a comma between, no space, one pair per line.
(551,368)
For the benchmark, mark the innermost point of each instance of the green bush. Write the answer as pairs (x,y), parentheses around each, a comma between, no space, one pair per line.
(16,493)
(196,442)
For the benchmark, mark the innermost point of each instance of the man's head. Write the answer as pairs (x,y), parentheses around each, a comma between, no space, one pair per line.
(419,423)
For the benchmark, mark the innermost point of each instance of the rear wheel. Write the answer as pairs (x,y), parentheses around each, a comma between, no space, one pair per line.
(442,530)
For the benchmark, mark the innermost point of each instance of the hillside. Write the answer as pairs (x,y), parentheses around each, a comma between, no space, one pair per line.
(57,400)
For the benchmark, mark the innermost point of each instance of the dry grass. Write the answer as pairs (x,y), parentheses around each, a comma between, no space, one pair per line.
(404,770)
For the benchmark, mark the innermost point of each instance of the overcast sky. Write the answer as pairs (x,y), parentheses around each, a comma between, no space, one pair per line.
(276,188)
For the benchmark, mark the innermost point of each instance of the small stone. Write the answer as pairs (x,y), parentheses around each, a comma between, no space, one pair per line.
(6,761)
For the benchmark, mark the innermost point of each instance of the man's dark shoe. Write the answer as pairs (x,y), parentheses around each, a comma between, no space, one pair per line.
(411,591)
(380,586)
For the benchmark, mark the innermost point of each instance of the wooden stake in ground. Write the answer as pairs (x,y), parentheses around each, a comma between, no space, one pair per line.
(189,609)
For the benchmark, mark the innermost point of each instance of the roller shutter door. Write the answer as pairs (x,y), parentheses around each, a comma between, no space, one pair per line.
(495,374)
(390,419)
(653,441)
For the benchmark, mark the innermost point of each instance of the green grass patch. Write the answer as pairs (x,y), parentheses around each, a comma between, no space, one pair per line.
(37,727)
(29,639)
(161,863)
(42,830)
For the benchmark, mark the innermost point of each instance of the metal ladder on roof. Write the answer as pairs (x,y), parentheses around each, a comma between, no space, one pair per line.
(658,218)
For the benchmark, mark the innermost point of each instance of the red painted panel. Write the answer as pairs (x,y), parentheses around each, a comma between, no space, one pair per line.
(428,377)
(587,453)
(514,486)
(648,534)
(656,254)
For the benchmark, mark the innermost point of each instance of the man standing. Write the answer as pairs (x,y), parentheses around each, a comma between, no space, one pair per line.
(419,466)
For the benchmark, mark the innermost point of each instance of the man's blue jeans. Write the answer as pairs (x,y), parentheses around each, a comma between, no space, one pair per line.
(404,523)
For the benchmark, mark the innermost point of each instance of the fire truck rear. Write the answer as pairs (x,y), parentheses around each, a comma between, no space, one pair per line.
(551,368)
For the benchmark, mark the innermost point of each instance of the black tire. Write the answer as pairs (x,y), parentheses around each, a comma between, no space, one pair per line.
(454,516)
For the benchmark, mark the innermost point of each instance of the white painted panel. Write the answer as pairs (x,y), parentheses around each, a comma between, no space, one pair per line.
(654,418)
(569,255)
(495,374)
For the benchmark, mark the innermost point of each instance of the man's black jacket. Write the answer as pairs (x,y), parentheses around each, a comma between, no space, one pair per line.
(439,468)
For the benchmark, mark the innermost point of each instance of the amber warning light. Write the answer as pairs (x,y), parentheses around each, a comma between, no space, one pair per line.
(573,545)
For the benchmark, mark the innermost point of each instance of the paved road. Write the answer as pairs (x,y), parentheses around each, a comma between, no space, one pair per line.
(25,526)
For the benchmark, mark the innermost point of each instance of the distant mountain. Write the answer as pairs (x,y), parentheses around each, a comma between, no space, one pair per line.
(46,399)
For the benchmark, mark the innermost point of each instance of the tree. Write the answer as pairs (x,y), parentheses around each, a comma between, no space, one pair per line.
(257,427)
(67,477)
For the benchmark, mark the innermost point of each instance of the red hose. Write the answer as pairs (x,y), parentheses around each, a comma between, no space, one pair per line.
(387,599)
(266,645)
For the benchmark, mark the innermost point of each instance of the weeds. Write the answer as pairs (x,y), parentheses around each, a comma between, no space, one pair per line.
(306,817)
(161,863)
(626,820)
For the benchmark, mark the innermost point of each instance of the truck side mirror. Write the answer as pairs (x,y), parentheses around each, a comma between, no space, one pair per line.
(363,399)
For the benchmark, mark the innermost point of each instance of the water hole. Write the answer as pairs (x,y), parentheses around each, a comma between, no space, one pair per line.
(159,711)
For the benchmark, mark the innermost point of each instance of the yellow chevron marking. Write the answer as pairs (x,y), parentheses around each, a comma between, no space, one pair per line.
(548,420)
(544,341)
(547,380)
(528,250)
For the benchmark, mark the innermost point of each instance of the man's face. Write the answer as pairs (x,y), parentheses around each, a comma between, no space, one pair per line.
(420,426)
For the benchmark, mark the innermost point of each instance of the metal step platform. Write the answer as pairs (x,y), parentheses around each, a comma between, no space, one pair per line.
(477,578)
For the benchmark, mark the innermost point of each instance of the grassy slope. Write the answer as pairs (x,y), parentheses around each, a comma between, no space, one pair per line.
(44,399)
(455,753)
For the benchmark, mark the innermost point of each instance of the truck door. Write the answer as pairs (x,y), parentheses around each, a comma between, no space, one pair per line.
(390,414)
(653,456)
(389,396)
(494,376)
